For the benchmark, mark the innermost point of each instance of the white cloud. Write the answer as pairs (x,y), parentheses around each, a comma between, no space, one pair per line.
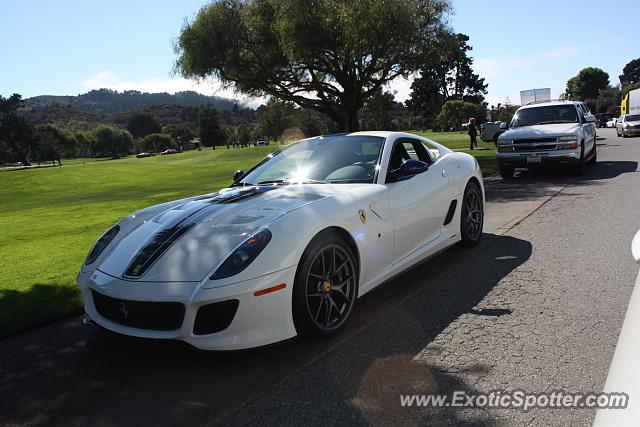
(109,80)
(401,87)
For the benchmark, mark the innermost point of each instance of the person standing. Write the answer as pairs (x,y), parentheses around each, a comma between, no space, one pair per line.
(473,133)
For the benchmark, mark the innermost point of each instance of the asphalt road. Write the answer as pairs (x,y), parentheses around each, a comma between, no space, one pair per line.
(537,306)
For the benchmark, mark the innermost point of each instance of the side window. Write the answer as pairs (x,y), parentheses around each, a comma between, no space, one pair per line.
(405,149)
(580,111)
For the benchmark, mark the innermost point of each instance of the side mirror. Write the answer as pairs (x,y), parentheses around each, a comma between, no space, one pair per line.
(237,174)
(589,119)
(407,169)
(503,125)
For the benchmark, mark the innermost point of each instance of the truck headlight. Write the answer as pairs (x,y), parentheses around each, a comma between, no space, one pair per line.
(243,255)
(568,138)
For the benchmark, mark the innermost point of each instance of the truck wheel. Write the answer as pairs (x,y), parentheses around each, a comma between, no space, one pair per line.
(594,158)
(506,172)
(579,168)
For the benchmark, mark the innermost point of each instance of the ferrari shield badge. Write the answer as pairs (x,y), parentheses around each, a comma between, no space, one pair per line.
(363,216)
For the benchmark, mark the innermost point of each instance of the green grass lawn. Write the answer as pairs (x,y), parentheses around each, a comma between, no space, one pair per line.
(460,140)
(50,217)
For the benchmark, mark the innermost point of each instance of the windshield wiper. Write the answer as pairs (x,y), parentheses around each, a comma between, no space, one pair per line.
(283,181)
(242,184)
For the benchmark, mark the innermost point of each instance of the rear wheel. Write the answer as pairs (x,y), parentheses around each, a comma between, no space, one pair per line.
(472,216)
(325,288)
(506,172)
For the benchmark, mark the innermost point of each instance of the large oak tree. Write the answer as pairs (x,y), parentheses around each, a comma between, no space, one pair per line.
(325,55)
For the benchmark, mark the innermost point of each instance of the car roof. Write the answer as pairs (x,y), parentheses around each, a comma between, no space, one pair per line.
(385,134)
(546,104)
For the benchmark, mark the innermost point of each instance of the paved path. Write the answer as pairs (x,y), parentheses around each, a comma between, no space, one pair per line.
(538,306)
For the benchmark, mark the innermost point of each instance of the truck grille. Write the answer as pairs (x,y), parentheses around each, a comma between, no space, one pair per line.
(534,140)
(535,147)
(157,316)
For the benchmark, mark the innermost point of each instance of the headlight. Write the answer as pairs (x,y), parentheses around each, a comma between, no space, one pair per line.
(505,141)
(568,138)
(101,244)
(243,255)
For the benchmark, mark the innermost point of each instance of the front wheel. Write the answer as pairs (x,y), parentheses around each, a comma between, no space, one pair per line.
(325,288)
(580,167)
(472,216)
(594,157)
(506,172)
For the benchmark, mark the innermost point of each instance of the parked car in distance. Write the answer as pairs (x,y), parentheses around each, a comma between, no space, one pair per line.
(602,119)
(490,131)
(559,132)
(142,155)
(628,125)
(612,123)
(261,142)
(170,151)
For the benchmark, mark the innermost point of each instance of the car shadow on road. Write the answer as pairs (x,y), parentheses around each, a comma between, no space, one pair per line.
(530,184)
(67,373)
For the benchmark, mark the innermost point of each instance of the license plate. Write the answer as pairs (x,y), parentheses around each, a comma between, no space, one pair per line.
(534,159)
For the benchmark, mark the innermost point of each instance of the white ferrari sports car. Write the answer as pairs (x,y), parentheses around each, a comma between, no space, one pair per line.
(289,247)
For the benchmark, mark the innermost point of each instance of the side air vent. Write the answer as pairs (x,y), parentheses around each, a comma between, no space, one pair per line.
(452,210)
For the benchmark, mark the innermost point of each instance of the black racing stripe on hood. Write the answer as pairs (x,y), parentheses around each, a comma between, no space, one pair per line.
(162,240)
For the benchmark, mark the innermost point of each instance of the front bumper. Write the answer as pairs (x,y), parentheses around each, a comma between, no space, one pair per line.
(258,321)
(542,158)
(630,132)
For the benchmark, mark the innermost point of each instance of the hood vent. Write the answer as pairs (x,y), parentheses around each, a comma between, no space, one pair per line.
(162,240)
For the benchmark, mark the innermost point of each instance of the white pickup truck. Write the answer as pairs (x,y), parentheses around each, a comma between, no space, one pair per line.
(560,132)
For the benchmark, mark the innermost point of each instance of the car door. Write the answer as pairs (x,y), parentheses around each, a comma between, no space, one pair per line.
(588,129)
(418,204)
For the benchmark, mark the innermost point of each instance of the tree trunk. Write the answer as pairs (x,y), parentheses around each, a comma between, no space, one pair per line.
(349,119)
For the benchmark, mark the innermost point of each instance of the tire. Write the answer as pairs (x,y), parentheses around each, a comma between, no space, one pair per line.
(594,158)
(472,215)
(506,172)
(624,135)
(325,288)
(580,167)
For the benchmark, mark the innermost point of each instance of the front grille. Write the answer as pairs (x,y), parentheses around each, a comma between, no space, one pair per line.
(534,147)
(216,317)
(157,316)
(534,140)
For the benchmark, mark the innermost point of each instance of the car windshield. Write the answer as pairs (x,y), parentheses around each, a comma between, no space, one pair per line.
(545,115)
(328,159)
(632,118)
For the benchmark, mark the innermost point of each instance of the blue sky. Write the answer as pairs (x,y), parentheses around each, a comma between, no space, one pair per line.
(72,46)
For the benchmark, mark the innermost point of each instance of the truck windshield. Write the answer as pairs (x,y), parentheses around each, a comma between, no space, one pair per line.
(632,118)
(545,115)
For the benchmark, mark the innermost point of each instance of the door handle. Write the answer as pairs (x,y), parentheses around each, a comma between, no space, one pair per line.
(444,173)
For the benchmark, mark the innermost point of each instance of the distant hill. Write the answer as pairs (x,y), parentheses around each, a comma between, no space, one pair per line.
(87,111)
(103,102)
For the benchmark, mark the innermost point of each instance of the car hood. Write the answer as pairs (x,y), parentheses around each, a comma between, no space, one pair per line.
(633,123)
(184,240)
(541,131)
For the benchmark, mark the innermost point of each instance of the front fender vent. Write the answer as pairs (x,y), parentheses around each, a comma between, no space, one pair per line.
(452,210)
